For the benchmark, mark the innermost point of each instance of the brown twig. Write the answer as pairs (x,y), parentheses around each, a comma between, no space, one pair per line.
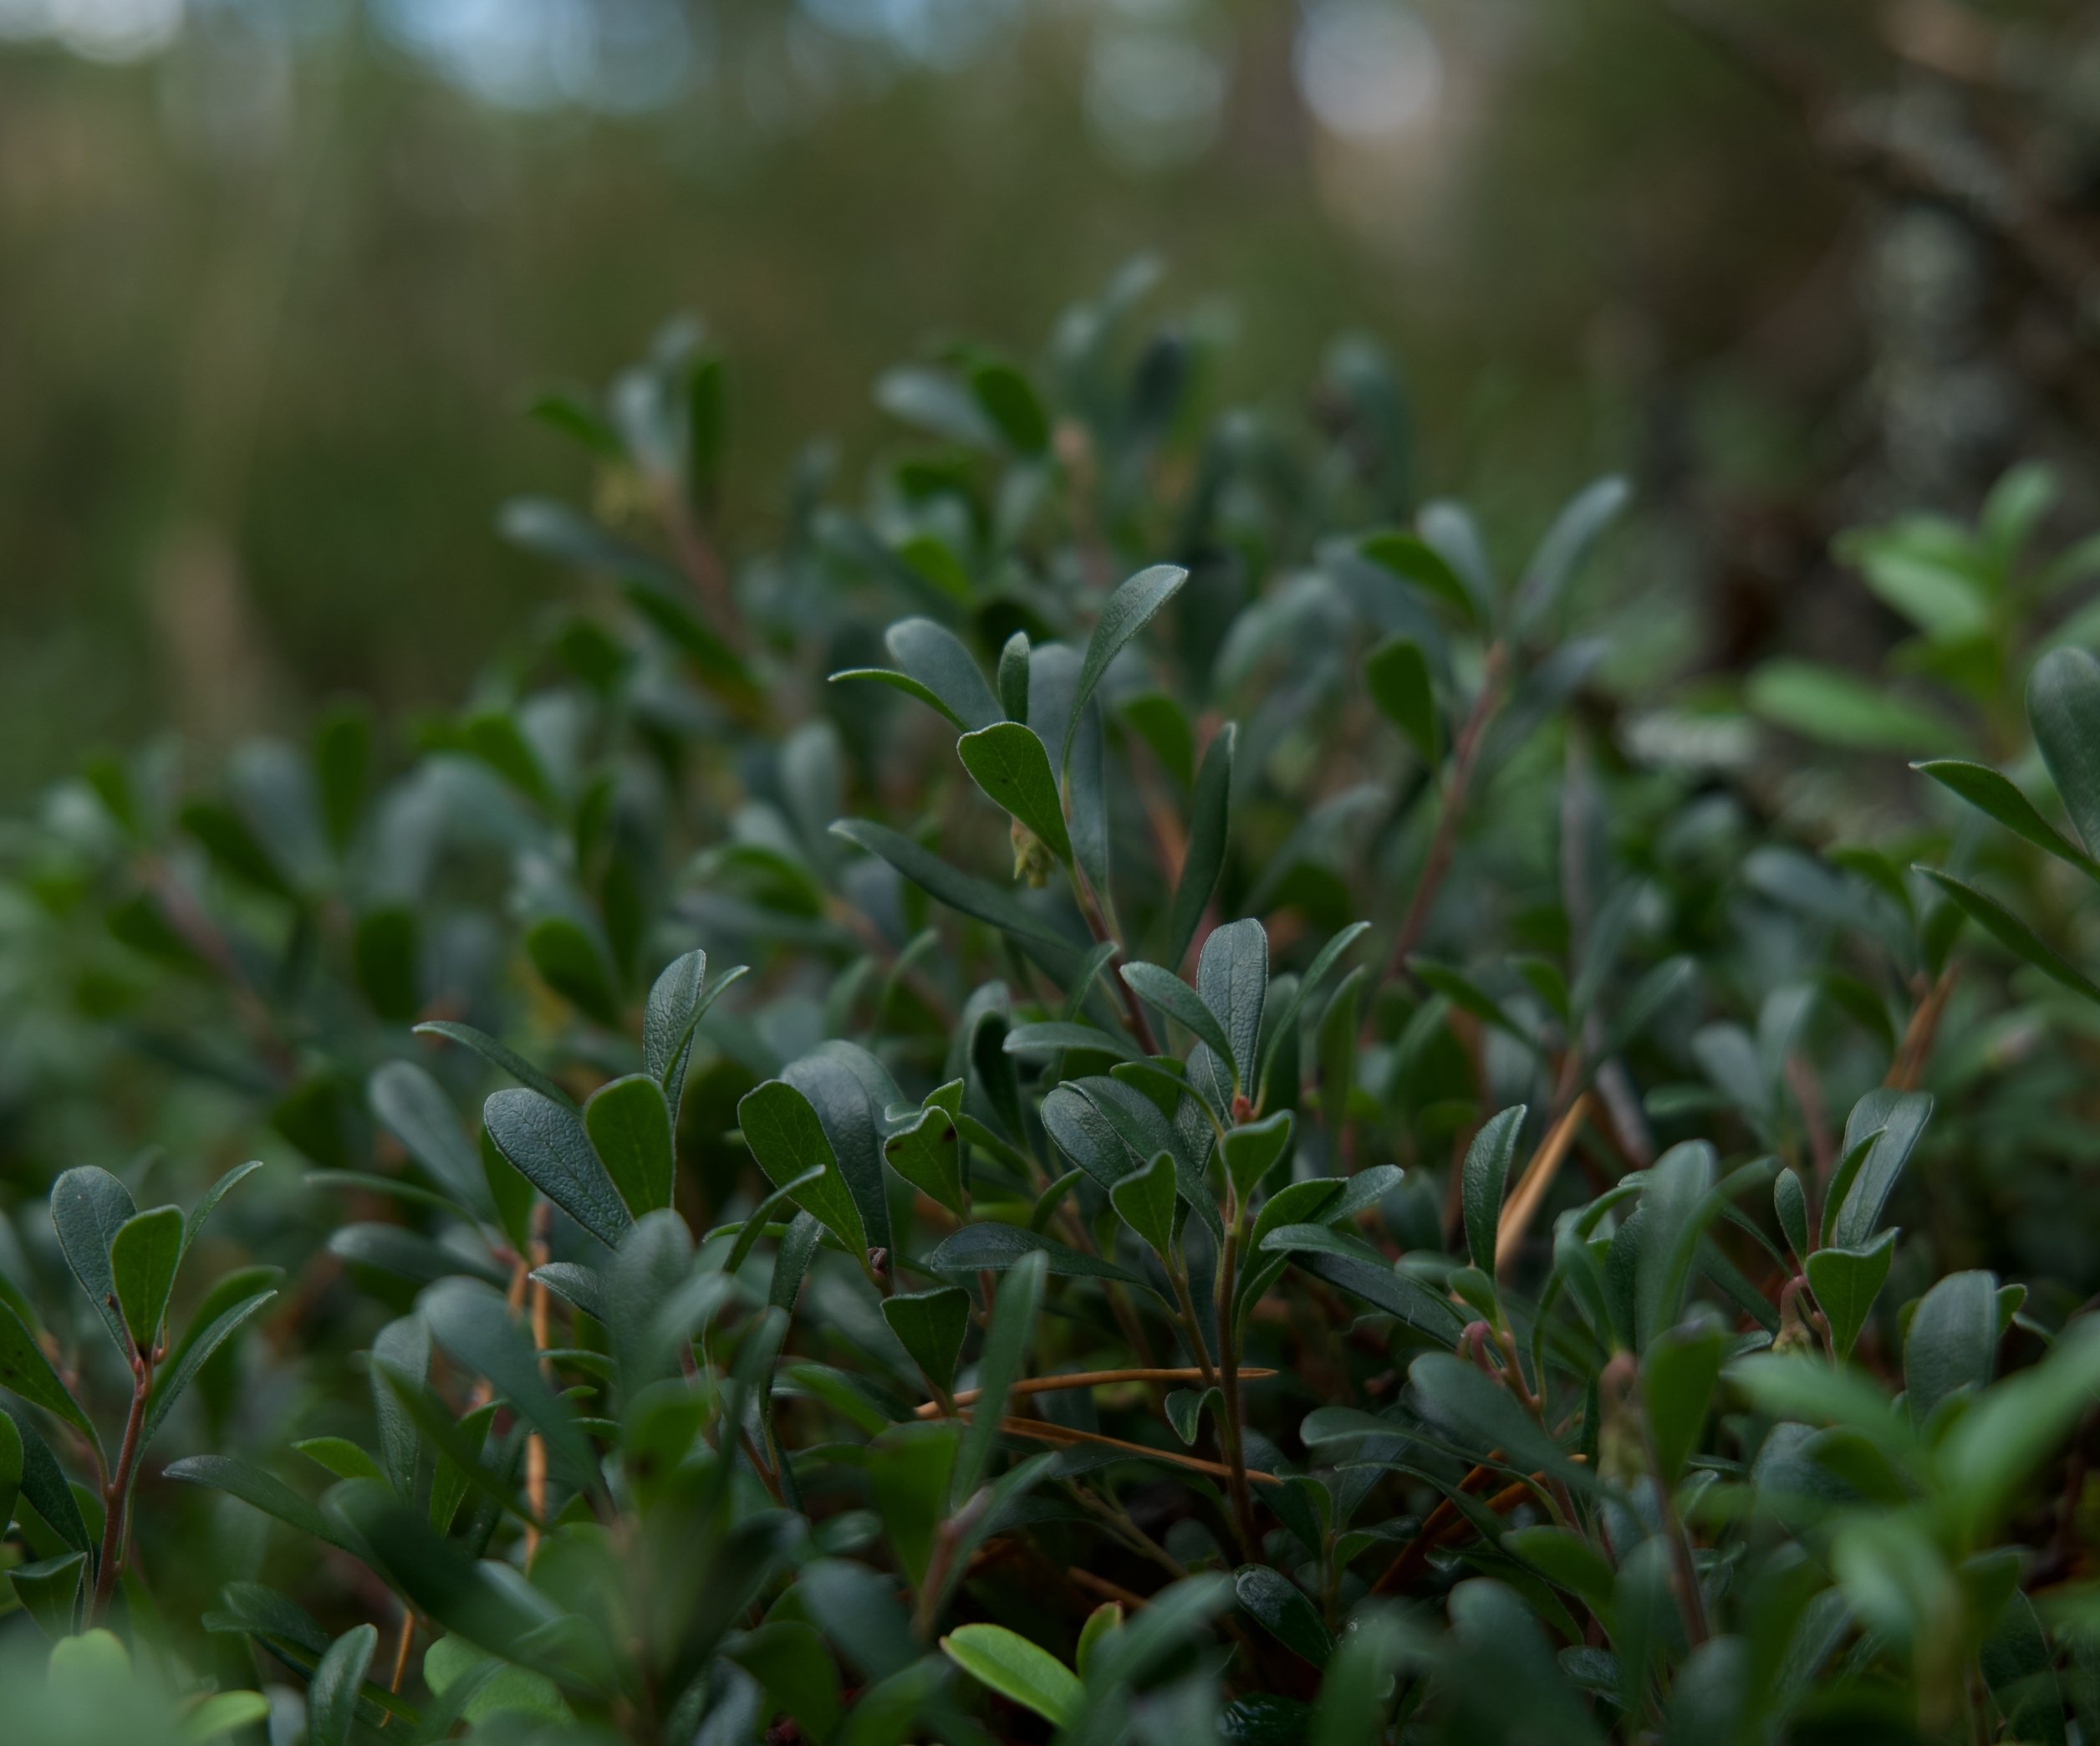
(402,1645)
(1228,1376)
(1084,1379)
(536,1445)
(116,1494)
(1530,1190)
(1042,1430)
(1916,1047)
(1445,1524)
(1132,1008)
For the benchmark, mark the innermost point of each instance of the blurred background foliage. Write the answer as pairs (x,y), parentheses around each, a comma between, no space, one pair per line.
(276,276)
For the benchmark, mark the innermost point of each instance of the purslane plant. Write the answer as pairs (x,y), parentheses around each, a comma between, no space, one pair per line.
(1267,1179)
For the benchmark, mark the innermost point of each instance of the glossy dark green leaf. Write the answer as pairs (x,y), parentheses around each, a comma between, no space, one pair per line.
(1008,1342)
(782,1128)
(1678,1373)
(1952,1342)
(342,770)
(260,1490)
(1279,1029)
(1991,1451)
(332,1698)
(454,1447)
(1010,763)
(235,848)
(994,1248)
(790,1660)
(1185,1407)
(1846,1281)
(499,1055)
(1568,1560)
(45,1488)
(681,997)
(1232,981)
(143,1255)
(50,1591)
(1016,1669)
(1484,1181)
(1989,792)
(10,1467)
(903,682)
(1335,1049)
(1677,1205)
(1210,819)
(208,1202)
(438,1577)
(1280,1608)
(341,1457)
(1482,1416)
(1397,675)
(1013,677)
(629,1126)
(413,1107)
(932,654)
(1128,610)
(25,1371)
(2010,931)
(1254,1149)
(1842,709)
(1055,1035)
(217,1321)
(473,1324)
(656,1305)
(88,1208)
(572,962)
(1790,1200)
(495,737)
(547,1143)
(931,1326)
(386,952)
(2019,1665)
(1145,1200)
(1388,1292)
(2063,708)
(1008,398)
(1415,561)
(1899,1118)
(1165,727)
(1164,989)
(1575,531)
(927,1153)
(910,1470)
(972,897)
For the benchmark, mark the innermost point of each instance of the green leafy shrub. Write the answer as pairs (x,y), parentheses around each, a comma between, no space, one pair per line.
(1282,1158)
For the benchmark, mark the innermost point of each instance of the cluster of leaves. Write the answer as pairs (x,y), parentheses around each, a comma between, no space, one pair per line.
(1263,1171)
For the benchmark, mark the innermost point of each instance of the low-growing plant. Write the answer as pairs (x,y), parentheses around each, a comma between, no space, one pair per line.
(1265,1168)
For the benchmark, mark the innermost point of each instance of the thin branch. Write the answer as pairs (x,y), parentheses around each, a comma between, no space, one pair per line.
(1084,1379)
(116,1495)
(1530,1190)
(1919,1035)
(1044,1431)
(1229,1373)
